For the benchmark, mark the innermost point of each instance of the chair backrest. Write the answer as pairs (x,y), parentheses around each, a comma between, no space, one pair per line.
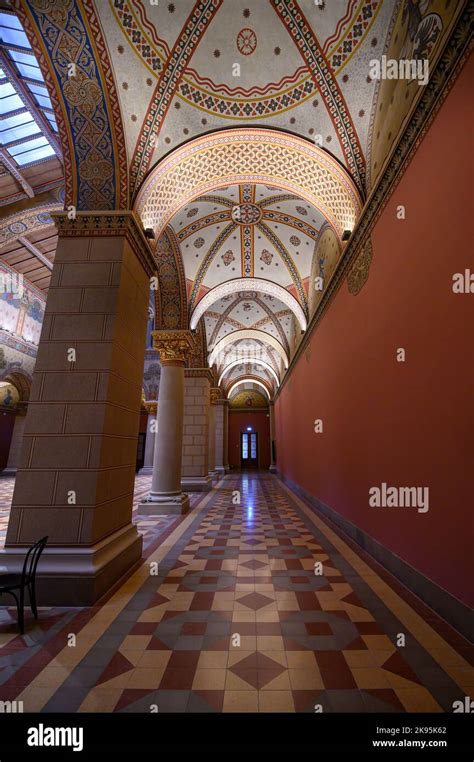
(31,560)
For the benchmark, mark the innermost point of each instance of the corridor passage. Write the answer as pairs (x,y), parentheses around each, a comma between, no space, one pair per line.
(237,620)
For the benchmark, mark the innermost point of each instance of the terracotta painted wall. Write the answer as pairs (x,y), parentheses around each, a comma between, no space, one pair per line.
(260,422)
(406,424)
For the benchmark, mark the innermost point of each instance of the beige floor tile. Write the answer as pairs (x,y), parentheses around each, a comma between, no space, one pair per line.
(275,701)
(305,679)
(240,701)
(209,680)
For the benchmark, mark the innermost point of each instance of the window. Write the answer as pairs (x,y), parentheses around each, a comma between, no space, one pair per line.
(23,97)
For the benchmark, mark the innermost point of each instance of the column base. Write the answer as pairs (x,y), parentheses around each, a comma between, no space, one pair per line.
(164,505)
(196,483)
(80,576)
(273,469)
(8,472)
(220,470)
(146,471)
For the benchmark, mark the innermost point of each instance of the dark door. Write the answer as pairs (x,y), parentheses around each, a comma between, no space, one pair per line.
(249,449)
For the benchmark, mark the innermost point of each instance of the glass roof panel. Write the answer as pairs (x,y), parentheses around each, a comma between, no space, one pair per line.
(32,72)
(44,101)
(8,19)
(11,103)
(13,37)
(6,89)
(19,124)
(27,58)
(28,146)
(36,155)
(16,120)
(17,133)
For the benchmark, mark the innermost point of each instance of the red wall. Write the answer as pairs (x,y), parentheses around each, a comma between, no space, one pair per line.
(7,422)
(406,424)
(260,422)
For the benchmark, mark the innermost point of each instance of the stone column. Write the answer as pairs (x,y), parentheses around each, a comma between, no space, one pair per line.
(16,442)
(166,495)
(195,472)
(150,438)
(76,476)
(226,436)
(212,432)
(271,410)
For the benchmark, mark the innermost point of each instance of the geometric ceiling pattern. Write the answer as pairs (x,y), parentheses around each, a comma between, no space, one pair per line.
(246,133)
(247,251)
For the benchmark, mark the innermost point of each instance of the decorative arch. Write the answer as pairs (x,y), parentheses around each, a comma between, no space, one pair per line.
(246,380)
(171,309)
(86,105)
(248,284)
(248,333)
(28,220)
(21,380)
(255,361)
(249,155)
(269,315)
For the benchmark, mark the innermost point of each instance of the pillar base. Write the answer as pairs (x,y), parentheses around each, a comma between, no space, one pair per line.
(146,471)
(196,483)
(80,576)
(164,505)
(8,472)
(273,469)
(220,471)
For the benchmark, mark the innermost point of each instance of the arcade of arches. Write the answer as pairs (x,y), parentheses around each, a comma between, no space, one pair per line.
(230,344)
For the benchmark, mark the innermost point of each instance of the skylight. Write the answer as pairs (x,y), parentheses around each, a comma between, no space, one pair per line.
(24,100)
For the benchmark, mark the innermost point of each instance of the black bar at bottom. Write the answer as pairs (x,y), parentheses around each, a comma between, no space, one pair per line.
(87,736)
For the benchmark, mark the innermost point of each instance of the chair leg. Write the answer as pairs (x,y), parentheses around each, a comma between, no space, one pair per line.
(32,592)
(21,611)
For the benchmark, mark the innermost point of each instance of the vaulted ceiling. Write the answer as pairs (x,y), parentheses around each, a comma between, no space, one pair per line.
(254,215)
(185,68)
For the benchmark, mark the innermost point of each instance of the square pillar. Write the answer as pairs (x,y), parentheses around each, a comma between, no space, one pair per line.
(16,442)
(215,395)
(195,466)
(76,476)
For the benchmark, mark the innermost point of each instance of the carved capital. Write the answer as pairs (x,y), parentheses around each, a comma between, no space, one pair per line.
(173,346)
(111,223)
(151,406)
(216,395)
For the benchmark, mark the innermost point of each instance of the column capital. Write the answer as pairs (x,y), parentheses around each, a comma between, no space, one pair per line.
(173,346)
(199,373)
(109,223)
(216,395)
(151,406)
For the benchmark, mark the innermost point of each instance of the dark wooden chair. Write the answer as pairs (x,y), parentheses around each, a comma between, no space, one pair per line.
(16,584)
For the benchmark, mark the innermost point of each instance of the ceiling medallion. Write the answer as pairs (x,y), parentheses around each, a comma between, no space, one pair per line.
(246,214)
(246,42)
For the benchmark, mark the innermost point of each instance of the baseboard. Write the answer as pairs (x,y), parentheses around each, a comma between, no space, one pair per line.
(456,613)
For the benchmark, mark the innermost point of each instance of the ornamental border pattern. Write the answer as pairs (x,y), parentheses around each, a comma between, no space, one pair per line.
(87,225)
(81,154)
(304,38)
(239,155)
(186,42)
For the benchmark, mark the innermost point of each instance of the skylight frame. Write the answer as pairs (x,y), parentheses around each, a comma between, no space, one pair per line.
(23,75)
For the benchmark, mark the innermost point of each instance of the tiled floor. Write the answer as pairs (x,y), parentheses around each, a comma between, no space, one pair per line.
(238,620)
